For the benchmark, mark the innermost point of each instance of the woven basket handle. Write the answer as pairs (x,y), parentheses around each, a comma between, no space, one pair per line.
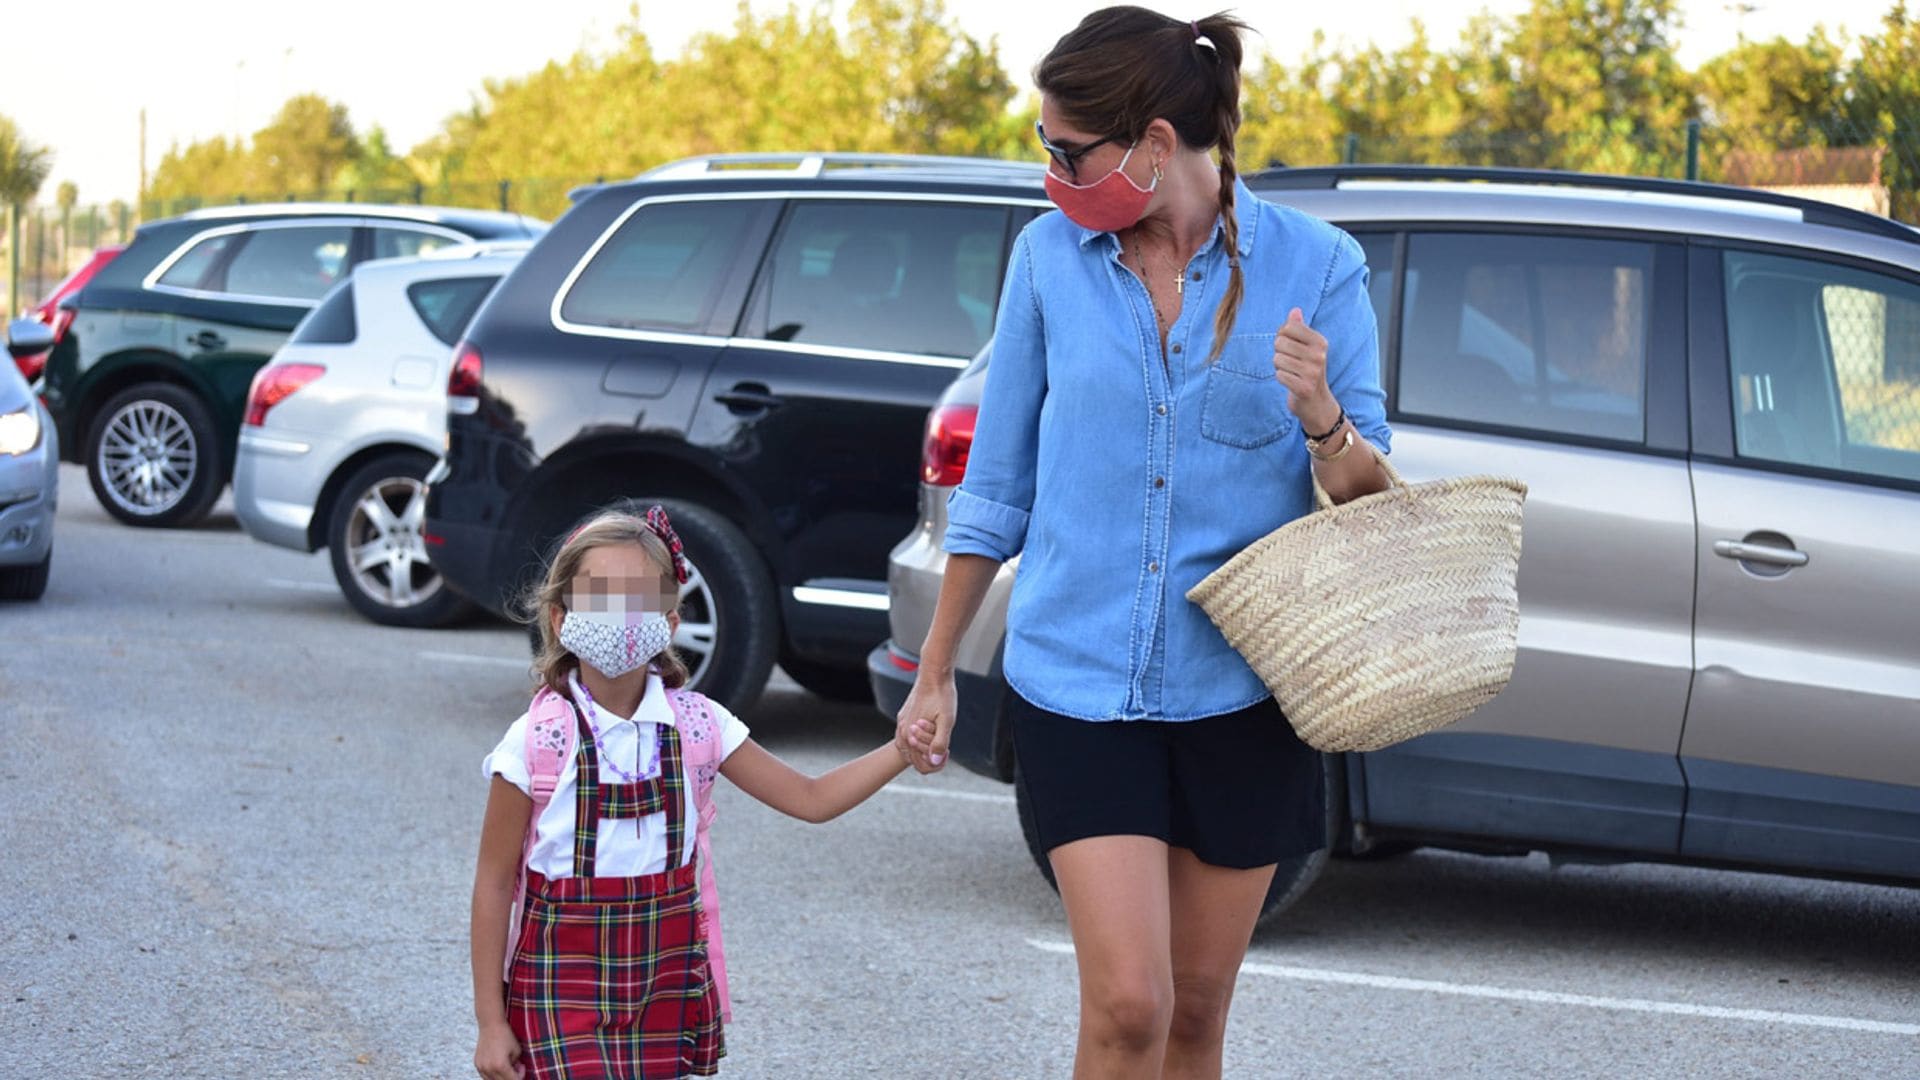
(1325,502)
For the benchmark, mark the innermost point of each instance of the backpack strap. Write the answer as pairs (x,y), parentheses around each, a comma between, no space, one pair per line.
(700,751)
(551,732)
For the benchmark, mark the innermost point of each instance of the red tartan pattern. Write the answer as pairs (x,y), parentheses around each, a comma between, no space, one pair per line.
(611,980)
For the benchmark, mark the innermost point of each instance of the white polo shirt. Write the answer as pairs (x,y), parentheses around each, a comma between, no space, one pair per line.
(625,847)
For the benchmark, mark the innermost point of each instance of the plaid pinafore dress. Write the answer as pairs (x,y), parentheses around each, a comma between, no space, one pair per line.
(610,977)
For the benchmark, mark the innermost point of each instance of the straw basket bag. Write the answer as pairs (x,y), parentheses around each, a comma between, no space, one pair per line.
(1383,618)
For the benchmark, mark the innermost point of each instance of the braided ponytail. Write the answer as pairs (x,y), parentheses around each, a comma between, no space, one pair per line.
(1226,57)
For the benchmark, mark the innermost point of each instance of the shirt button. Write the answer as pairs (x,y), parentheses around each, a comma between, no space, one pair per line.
(1162,410)
(1196,275)
(1176,349)
(1159,481)
(1153,568)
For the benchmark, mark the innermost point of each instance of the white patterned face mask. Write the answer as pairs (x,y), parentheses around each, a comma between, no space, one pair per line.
(615,642)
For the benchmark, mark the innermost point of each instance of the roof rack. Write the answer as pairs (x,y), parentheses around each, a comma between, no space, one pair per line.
(813,163)
(1811,211)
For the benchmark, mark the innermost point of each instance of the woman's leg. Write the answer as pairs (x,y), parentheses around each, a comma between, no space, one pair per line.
(1211,910)
(1115,891)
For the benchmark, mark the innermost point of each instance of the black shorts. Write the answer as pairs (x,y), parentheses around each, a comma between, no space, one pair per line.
(1238,790)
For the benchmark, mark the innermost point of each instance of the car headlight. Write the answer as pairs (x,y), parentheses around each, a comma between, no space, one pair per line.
(19,431)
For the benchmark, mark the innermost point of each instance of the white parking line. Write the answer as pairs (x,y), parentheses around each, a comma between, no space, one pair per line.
(303,586)
(469,658)
(1544,997)
(965,796)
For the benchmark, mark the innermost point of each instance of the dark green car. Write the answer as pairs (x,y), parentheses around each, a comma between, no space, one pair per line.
(149,384)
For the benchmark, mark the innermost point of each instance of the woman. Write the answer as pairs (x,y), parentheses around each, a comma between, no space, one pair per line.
(1172,357)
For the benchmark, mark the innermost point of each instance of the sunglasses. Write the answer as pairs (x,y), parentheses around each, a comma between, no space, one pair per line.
(1068,158)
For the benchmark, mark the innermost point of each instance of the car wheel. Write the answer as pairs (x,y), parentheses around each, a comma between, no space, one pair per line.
(729,611)
(151,456)
(25,582)
(379,555)
(1291,878)
(850,686)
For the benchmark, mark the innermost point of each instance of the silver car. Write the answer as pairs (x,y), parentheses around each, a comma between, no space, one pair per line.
(1714,396)
(29,471)
(344,424)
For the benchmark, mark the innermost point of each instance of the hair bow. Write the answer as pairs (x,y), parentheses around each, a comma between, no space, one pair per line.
(657,521)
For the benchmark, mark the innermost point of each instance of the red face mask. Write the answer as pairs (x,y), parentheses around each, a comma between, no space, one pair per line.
(1109,204)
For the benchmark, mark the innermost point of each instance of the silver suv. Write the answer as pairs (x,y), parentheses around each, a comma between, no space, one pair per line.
(1714,396)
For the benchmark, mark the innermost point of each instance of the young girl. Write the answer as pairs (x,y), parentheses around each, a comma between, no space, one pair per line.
(613,971)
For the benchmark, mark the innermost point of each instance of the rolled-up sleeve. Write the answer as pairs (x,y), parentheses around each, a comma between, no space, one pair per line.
(988,513)
(1347,321)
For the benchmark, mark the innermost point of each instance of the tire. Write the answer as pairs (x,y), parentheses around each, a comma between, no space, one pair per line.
(729,608)
(152,458)
(1291,879)
(849,686)
(379,556)
(25,582)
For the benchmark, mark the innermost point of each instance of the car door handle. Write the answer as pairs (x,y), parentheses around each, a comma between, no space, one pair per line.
(749,397)
(1759,553)
(207,339)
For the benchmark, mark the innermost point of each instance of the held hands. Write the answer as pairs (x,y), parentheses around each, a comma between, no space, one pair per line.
(1300,363)
(926,722)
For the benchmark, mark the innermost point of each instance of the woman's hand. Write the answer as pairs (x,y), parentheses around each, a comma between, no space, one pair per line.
(498,1055)
(1300,363)
(926,721)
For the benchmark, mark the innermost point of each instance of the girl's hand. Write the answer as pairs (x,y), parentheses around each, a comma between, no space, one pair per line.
(926,721)
(1300,363)
(498,1055)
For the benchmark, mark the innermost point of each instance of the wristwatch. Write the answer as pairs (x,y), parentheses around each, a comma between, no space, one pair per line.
(1343,429)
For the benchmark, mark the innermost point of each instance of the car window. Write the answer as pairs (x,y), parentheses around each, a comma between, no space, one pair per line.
(333,322)
(189,271)
(396,243)
(448,305)
(664,269)
(1826,365)
(906,277)
(299,263)
(1546,333)
(1378,250)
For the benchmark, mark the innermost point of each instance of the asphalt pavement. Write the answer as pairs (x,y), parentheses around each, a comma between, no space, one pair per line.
(240,823)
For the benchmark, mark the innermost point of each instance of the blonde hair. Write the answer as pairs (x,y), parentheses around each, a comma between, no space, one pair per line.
(552,663)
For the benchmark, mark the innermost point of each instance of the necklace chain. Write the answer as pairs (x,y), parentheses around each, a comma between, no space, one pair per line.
(605,757)
(1179,282)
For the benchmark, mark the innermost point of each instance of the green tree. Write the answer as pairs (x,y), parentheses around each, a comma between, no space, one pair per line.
(211,170)
(308,141)
(1883,105)
(1775,94)
(23,169)
(375,173)
(65,196)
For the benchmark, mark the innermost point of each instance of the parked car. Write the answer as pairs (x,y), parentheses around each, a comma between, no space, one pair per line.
(753,342)
(149,384)
(344,423)
(29,471)
(50,313)
(1714,395)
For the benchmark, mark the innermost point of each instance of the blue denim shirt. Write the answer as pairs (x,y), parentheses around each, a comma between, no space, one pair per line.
(1122,481)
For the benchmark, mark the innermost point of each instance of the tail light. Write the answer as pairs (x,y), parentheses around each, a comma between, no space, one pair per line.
(273,383)
(463,381)
(943,461)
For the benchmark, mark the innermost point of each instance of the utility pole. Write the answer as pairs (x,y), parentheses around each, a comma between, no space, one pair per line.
(143,160)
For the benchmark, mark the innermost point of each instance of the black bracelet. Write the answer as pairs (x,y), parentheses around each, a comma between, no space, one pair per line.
(1330,431)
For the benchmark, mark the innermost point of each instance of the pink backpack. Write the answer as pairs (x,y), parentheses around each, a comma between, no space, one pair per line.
(551,731)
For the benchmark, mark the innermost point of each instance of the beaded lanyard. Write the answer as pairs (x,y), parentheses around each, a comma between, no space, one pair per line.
(593,729)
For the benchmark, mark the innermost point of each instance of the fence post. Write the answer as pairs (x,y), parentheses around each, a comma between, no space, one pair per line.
(123,224)
(505,187)
(1352,153)
(419,193)
(350,195)
(1693,149)
(13,257)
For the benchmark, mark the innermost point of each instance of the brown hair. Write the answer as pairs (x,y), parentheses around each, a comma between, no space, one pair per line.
(553,663)
(1124,67)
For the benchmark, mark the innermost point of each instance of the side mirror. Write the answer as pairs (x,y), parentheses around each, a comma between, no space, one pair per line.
(26,337)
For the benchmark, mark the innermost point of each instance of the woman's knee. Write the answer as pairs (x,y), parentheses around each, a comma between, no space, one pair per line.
(1199,1011)
(1130,1012)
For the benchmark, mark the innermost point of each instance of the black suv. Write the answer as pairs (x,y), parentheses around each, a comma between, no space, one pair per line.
(754,342)
(149,384)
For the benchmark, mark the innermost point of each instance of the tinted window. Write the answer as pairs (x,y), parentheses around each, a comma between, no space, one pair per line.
(332,323)
(664,269)
(394,243)
(1826,365)
(895,276)
(448,305)
(1548,333)
(1378,249)
(189,271)
(299,263)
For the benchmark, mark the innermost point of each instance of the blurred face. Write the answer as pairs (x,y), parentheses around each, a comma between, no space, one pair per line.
(619,582)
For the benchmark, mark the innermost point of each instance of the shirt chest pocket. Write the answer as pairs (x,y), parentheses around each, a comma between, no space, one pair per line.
(1245,405)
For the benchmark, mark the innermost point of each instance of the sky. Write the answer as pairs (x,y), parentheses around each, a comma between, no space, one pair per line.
(203,68)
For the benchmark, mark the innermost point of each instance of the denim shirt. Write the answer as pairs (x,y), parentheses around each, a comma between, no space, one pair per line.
(1121,480)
